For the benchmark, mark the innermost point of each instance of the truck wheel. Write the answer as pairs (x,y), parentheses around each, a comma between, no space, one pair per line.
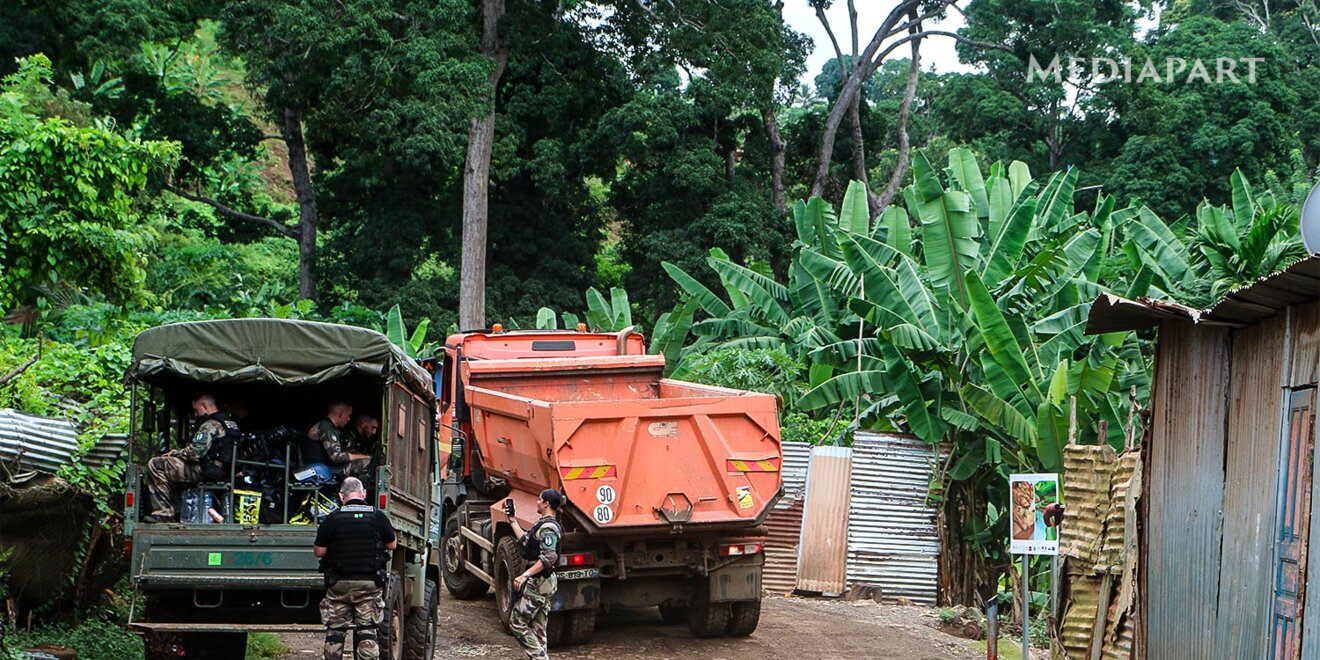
(674,614)
(508,563)
(707,619)
(579,626)
(389,634)
(460,583)
(743,617)
(554,629)
(419,630)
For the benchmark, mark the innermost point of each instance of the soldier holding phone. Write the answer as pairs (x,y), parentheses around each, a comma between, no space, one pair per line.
(537,584)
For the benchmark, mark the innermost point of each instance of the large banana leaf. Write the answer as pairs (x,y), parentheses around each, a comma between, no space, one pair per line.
(999,413)
(898,229)
(962,164)
(999,339)
(711,303)
(1006,246)
(1244,210)
(1019,176)
(759,292)
(1000,194)
(546,319)
(948,239)
(899,290)
(855,214)
(1164,252)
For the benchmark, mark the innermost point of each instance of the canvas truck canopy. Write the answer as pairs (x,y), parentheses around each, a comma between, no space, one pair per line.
(273,352)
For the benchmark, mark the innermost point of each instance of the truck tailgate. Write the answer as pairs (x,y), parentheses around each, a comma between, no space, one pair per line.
(687,454)
(201,556)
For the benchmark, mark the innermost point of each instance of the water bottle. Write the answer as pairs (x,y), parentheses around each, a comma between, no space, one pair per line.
(212,516)
(190,506)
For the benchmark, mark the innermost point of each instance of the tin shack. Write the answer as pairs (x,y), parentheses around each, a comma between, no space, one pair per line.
(1228,507)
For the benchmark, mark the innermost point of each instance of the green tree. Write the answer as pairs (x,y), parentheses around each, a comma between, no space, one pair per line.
(71,209)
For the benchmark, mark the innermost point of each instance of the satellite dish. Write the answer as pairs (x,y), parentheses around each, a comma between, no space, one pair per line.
(1311,221)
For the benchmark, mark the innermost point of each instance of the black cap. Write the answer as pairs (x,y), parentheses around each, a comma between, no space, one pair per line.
(553,497)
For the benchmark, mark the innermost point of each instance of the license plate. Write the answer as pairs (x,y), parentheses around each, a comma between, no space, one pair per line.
(578,574)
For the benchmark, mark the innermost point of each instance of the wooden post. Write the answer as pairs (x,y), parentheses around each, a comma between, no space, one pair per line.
(1101,609)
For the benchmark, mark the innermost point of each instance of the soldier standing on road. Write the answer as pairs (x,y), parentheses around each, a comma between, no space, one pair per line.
(325,442)
(537,584)
(204,456)
(353,543)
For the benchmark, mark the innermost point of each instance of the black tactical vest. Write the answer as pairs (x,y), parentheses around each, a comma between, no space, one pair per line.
(356,550)
(532,546)
(215,464)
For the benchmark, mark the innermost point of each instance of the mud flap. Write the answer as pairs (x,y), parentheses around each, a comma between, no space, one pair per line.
(576,595)
(741,581)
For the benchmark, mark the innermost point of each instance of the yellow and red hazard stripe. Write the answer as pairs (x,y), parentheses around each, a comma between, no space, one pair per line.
(589,472)
(744,465)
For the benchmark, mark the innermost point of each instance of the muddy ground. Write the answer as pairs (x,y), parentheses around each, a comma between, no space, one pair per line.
(791,628)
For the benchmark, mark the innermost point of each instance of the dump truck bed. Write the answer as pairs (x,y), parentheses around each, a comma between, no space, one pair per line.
(630,448)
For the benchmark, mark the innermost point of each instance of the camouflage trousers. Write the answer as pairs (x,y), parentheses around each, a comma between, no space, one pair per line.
(163,474)
(531,613)
(354,605)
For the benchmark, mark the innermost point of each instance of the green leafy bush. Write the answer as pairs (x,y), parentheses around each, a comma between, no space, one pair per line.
(93,640)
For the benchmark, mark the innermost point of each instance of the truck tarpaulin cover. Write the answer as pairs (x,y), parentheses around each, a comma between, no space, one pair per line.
(271,351)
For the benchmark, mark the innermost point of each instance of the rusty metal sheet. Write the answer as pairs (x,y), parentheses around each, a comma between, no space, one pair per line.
(823,550)
(1184,491)
(1087,473)
(779,574)
(1250,473)
(1115,550)
(36,443)
(785,522)
(893,542)
(1079,617)
(1306,345)
(107,450)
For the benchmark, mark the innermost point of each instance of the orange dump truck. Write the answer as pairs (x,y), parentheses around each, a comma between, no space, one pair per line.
(667,482)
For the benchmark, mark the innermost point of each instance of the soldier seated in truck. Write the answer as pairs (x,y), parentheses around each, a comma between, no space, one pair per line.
(205,457)
(360,436)
(325,444)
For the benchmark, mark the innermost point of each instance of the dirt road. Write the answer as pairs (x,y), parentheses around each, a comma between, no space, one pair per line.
(790,629)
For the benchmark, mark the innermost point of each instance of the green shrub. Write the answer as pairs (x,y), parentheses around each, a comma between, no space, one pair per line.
(265,646)
(93,640)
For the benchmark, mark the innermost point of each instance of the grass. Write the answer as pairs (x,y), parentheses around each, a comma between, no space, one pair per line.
(265,646)
(1009,649)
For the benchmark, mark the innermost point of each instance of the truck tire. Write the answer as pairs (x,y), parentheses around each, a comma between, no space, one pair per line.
(419,628)
(554,629)
(460,583)
(579,626)
(390,632)
(508,563)
(707,619)
(743,617)
(674,614)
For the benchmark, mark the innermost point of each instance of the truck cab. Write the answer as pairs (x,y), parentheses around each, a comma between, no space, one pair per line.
(667,482)
(239,557)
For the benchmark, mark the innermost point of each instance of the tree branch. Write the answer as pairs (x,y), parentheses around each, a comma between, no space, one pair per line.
(236,214)
(273,137)
(904,142)
(17,372)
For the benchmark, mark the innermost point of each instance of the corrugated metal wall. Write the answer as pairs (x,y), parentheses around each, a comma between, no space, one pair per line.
(785,522)
(1258,373)
(36,443)
(892,539)
(822,559)
(1311,613)
(1186,491)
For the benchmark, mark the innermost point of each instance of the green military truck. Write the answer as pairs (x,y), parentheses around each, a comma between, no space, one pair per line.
(245,563)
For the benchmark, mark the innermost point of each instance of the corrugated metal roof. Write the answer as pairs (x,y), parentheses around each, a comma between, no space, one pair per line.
(892,537)
(823,553)
(36,443)
(1295,284)
(108,449)
(794,471)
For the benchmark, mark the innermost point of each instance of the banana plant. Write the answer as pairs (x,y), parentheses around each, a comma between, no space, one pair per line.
(397,332)
(601,315)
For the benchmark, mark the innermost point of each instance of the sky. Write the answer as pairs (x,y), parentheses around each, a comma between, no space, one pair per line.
(937,52)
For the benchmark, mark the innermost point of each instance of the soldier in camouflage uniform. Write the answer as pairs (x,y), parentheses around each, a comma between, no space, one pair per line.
(353,544)
(360,437)
(183,466)
(537,584)
(326,442)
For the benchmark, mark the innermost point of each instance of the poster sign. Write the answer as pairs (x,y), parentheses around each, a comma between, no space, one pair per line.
(1035,511)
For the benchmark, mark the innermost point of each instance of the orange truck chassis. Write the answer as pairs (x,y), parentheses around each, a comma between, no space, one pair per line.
(667,482)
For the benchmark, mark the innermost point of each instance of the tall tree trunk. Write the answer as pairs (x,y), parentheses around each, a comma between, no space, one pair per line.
(901,124)
(777,147)
(859,151)
(851,88)
(302,189)
(476,178)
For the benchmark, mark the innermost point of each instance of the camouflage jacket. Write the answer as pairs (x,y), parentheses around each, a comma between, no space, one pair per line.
(206,433)
(331,439)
